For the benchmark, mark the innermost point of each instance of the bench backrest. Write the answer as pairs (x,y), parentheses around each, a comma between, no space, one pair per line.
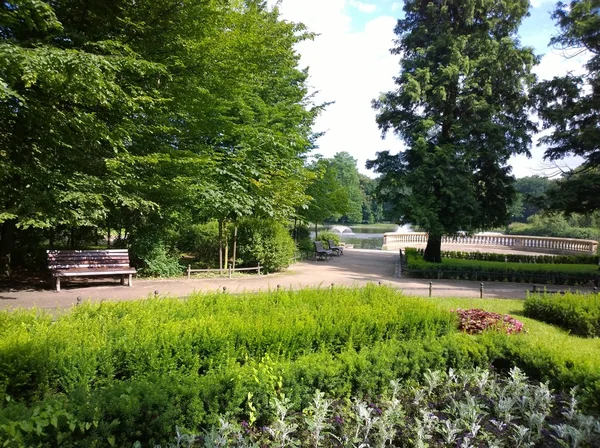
(319,246)
(70,259)
(331,243)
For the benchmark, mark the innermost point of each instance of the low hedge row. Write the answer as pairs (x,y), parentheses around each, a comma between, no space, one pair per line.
(518,258)
(461,269)
(576,312)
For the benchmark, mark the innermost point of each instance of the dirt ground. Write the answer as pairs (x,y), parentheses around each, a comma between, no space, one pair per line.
(356,267)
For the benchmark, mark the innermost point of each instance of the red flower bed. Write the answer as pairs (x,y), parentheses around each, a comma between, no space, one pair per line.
(475,321)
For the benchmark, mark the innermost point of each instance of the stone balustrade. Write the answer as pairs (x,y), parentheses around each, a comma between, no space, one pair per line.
(397,240)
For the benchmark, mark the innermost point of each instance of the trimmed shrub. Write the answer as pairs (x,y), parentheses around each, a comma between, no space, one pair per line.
(464,269)
(264,241)
(518,258)
(325,236)
(575,312)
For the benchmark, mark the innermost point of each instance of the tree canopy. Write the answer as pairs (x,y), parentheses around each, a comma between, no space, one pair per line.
(461,109)
(570,106)
(150,113)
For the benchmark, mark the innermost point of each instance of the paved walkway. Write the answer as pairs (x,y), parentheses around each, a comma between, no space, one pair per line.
(356,267)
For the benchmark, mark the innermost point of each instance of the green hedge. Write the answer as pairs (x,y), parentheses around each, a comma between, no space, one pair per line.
(121,372)
(464,269)
(518,258)
(576,312)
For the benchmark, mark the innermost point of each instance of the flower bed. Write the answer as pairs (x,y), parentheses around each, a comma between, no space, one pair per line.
(475,321)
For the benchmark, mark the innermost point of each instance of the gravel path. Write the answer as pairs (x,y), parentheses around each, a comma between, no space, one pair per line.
(356,267)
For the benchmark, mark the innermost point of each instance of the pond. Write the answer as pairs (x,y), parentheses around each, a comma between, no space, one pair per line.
(363,236)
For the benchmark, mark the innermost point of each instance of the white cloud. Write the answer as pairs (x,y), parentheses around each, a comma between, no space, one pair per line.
(363,7)
(538,3)
(350,68)
(553,63)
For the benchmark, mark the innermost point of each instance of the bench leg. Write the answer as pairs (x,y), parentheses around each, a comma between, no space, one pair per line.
(57,284)
(130,282)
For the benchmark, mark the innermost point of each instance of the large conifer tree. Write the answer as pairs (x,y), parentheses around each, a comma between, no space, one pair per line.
(460,108)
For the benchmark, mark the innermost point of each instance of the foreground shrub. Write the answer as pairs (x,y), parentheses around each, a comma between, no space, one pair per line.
(475,321)
(575,312)
(458,408)
(130,371)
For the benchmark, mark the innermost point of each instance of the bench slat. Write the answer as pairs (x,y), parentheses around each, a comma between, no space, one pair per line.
(82,263)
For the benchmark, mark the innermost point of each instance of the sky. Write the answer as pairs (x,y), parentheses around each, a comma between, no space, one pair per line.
(350,64)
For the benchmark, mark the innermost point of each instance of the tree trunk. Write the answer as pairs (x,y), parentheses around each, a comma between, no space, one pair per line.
(7,240)
(433,251)
(220,245)
(316,234)
(234,245)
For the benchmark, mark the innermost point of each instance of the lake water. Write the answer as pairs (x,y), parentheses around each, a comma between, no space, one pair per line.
(365,237)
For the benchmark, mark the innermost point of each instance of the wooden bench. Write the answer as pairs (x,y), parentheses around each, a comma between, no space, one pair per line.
(84,263)
(321,252)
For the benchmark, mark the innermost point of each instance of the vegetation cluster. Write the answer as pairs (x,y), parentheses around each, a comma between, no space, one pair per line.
(483,270)
(125,372)
(577,313)
(461,408)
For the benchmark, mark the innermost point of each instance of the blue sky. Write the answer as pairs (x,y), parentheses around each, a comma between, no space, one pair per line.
(350,64)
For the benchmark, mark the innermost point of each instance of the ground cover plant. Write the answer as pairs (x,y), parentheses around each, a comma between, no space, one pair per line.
(455,408)
(466,269)
(120,373)
(576,312)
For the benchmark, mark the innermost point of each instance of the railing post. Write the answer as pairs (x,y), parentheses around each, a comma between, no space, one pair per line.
(430,288)
(481,291)
(189,271)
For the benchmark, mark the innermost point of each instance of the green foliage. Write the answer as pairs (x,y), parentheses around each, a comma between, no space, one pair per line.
(557,225)
(570,105)
(329,198)
(150,114)
(575,312)
(478,406)
(530,191)
(324,237)
(156,258)
(469,269)
(131,371)
(519,258)
(202,240)
(264,241)
(346,172)
(461,108)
